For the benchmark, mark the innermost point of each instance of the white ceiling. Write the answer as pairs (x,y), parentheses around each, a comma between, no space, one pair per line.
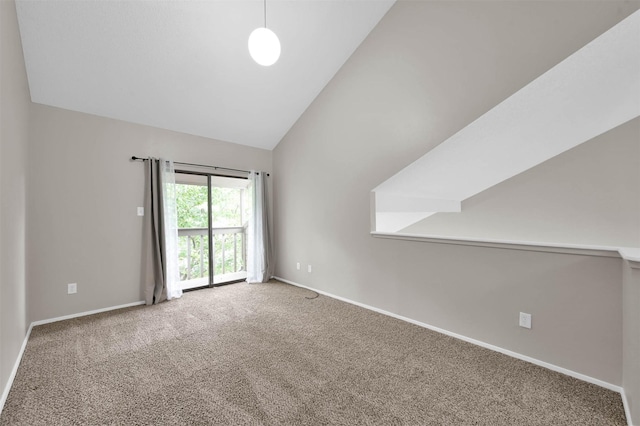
(184,65)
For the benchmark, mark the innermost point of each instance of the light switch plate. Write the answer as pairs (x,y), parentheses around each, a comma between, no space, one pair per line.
(140,211)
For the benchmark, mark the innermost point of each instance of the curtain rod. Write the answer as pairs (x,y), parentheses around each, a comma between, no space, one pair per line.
(134,158)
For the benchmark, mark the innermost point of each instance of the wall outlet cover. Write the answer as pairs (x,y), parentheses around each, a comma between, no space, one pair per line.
(525,320)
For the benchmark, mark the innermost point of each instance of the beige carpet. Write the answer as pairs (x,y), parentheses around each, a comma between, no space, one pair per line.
(263,354)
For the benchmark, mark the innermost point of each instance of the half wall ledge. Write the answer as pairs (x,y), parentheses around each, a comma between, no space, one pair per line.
(631,254)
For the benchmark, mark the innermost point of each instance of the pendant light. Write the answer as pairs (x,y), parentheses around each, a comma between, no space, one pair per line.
(264,46)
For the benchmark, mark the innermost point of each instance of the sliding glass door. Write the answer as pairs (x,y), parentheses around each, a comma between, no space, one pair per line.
(212,222)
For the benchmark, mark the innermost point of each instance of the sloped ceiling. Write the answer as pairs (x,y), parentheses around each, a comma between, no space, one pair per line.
(592,91)
(184,65)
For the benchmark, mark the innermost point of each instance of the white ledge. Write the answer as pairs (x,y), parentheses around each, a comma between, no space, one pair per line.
(631,254)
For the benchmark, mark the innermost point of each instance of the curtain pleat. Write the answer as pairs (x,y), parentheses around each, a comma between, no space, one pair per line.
(172,272)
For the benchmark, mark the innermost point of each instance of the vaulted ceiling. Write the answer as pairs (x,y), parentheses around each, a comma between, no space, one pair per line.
(594,90)
(184,65)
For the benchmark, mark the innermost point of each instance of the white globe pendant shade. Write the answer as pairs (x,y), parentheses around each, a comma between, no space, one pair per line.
(264,46)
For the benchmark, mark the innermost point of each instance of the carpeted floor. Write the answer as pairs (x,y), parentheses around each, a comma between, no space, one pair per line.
(264,355)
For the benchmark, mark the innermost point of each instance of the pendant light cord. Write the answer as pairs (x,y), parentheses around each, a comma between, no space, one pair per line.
(265,13)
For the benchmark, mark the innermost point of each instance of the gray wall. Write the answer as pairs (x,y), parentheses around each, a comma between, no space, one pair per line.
(82,222)
(587,195)
(427,70)
(14,114)
(631,336)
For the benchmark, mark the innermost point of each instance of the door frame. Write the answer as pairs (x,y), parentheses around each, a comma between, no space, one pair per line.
(210,227)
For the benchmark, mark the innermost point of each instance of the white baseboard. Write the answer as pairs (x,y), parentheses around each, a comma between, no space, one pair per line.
(544,364)
(12,376)
(571,373)
(84,314)
(625,403)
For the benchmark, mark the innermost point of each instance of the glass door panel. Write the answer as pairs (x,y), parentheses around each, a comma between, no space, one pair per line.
(193,230)
(229,214)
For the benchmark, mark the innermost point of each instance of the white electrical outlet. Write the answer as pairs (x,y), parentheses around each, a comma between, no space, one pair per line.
(298,266)
(309,268)
(72,288)
(525,320)
(140,211)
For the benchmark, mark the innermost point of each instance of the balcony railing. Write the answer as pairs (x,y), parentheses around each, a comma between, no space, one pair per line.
(229,255)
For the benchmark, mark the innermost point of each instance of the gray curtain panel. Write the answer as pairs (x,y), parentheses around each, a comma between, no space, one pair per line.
(154,271)
(266,230)
(259,248)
